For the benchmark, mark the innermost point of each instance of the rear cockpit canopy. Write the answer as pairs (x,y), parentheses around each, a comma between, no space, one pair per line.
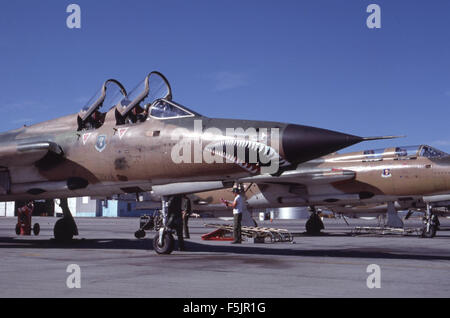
(107,97)
(151,97)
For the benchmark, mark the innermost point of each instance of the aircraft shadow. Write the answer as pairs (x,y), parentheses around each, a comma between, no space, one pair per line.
(195,247)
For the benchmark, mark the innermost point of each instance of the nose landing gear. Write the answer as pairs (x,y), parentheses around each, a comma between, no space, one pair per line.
(66,227)
(171,221)
(431,223)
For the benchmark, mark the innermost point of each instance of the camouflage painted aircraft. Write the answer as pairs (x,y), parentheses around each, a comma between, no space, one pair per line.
(416,177)
(142,141)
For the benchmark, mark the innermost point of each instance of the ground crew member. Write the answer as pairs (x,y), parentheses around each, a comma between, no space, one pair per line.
(24,218)
(27,209)
(238,206)
(175,219)
(187,211)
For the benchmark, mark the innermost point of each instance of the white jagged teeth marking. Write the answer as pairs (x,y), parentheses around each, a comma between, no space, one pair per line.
(262,149)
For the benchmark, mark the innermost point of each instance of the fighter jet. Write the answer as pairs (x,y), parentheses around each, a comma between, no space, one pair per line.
(406,177)
(138,141)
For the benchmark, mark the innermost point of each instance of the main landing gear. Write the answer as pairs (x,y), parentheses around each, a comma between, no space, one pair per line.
(431,223)
(65,228)
(314,224)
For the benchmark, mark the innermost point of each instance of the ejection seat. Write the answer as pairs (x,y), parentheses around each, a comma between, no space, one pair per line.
(107,97)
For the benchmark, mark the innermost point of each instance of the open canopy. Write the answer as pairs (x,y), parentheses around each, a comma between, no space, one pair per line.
(108,96)
(155,86)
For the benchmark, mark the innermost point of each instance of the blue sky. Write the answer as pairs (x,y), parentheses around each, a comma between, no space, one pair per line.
(306,62)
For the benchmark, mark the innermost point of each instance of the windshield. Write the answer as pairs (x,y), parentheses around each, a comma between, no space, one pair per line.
(164,110)
(430,152)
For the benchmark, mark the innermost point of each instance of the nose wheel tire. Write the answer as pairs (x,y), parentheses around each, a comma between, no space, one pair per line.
(431,231)
(167,246)
(36,229)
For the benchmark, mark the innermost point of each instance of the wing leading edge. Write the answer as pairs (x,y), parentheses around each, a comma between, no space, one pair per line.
(325,176)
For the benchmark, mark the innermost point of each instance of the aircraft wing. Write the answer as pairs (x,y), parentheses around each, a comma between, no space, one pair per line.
(306,177)
(22,154)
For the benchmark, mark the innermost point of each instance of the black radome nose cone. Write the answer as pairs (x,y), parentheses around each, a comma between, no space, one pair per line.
(304,143)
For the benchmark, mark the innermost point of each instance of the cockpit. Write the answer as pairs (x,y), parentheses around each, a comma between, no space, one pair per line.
(403,153)
(395,153)
(430,152)
(91,116)
(163,110)
(150,98)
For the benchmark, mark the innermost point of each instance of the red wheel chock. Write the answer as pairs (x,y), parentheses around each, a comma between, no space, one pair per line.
(218,235)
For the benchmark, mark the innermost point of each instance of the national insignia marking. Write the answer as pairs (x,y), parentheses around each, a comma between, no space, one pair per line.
(100,145)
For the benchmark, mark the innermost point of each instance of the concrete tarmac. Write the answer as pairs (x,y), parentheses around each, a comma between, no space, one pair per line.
(115,264)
